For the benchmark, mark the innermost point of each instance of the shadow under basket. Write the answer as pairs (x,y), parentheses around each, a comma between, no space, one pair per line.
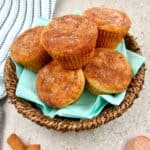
(68,124)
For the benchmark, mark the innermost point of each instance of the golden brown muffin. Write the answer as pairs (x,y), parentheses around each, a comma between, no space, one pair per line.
(58,87)
(108,72)
(27,50)
(71,40)
(138,143)
(112,25)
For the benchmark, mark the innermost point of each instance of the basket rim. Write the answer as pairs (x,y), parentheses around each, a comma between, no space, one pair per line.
(65,124)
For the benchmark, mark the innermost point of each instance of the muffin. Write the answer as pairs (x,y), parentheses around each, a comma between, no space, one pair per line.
(71,40)
(112,25)
(59,87)
(138,143)
(108,72)
(28,51)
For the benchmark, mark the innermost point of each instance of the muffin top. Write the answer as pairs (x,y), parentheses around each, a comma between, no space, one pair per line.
(28,45)
(28,51)
(57,86)
(108,19)
(109,71)
(69,34)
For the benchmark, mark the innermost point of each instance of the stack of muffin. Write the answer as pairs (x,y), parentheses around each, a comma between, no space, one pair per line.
(73,49)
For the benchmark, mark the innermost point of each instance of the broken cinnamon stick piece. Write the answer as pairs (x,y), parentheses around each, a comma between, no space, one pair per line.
(15,142)
(33,147)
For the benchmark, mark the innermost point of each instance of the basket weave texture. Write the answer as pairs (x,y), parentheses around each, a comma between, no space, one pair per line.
(64,124)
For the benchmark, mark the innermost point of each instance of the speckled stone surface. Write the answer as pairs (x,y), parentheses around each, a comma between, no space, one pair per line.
(114,135)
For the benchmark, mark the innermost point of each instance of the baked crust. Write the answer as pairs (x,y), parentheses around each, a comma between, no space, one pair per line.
(58,87)
(69,35)
(28,51)
(108,19)
(108,72)
(138,143)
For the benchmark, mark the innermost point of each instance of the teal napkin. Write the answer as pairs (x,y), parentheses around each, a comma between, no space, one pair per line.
(87,105)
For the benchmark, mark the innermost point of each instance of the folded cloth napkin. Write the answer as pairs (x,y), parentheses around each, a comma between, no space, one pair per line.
(88,105)
(17,16)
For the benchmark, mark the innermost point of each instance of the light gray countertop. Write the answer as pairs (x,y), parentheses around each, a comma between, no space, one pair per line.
(112,136)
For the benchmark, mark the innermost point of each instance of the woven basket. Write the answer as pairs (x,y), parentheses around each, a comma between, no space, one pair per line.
(64,124)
